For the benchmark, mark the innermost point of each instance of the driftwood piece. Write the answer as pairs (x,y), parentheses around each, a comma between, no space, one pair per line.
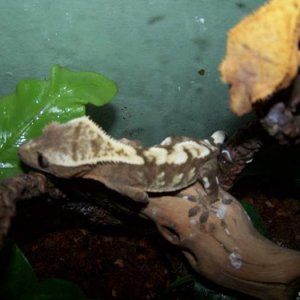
(226,248)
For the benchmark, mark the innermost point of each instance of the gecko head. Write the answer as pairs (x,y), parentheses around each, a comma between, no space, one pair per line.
(32,157)
(74,145)
(36,153)
(60,146)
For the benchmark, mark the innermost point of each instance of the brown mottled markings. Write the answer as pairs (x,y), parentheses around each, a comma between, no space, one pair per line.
(95,144)
(90,132)
(77,131)
(74,151)
(109,148)
(149,159)
(64,149)
(80,153)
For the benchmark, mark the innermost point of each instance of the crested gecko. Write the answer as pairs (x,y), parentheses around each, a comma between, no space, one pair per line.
(80,148)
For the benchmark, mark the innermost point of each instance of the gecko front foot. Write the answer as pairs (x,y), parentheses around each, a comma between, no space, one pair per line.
(133,193)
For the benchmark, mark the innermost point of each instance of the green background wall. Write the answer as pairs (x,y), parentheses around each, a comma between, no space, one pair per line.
(152,49)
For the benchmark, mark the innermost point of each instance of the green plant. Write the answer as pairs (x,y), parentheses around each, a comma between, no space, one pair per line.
(200,290)
(23,114)
(36,103)
(19,282)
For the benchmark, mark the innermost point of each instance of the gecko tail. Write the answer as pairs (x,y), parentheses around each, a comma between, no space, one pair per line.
(218,137)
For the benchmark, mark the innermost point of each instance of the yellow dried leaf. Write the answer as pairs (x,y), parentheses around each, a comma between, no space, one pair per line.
(262,54)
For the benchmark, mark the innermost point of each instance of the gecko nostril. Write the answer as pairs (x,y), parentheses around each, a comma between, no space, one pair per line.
(42,161)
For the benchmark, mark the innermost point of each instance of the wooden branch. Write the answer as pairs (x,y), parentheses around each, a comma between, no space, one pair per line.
(226,248)
(23,186)
(222,246)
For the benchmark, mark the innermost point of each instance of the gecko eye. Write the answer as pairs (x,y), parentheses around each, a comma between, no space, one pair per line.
(42,161)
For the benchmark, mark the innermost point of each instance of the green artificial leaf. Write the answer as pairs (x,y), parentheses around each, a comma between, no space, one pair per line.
(255,218)
(36,103)
(16,274)
(182,281)
(19,282)
(202,292)
(178,283)
(55,289)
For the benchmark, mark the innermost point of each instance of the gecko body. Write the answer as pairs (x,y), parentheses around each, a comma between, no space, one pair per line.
(80,148)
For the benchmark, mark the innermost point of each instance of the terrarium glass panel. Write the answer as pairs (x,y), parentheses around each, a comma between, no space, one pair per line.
(163,54)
